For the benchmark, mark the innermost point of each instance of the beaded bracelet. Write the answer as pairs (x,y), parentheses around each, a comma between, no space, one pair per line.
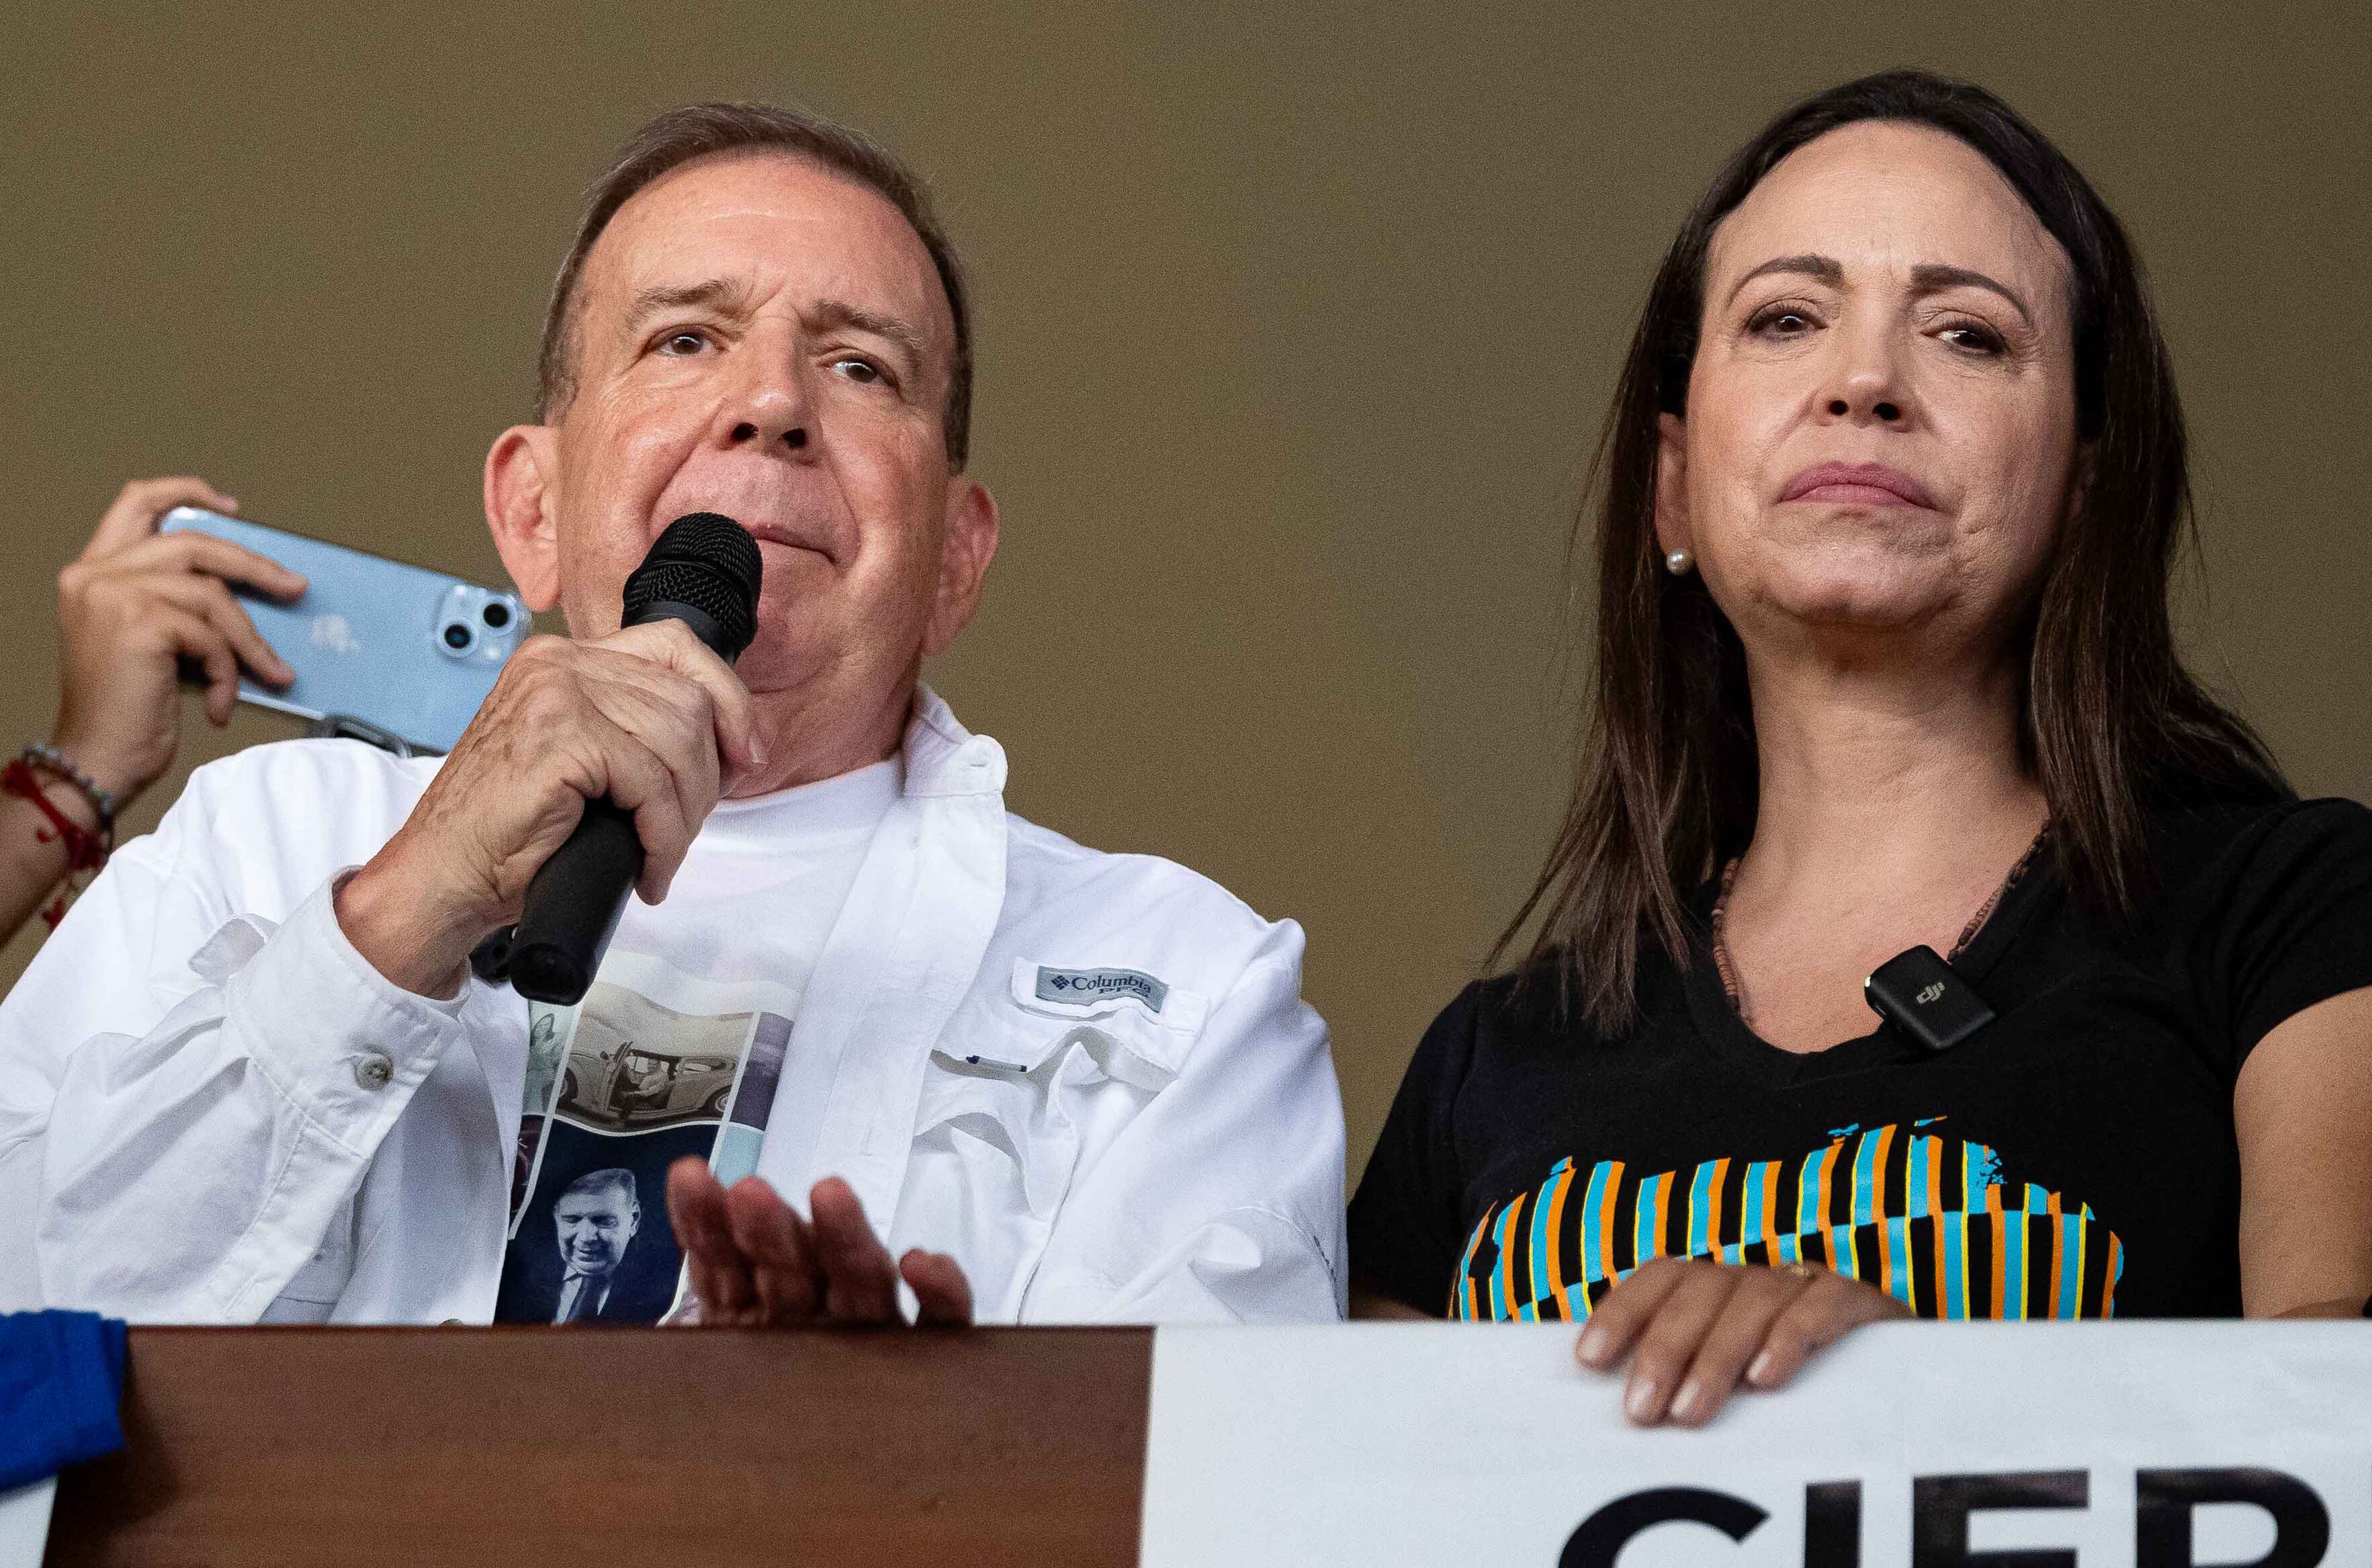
(41,754)
(85,851)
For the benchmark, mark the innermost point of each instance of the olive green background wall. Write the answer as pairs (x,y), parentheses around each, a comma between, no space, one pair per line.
(1296,326)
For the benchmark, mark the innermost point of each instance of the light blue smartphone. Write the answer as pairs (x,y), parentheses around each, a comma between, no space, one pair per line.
(377,646)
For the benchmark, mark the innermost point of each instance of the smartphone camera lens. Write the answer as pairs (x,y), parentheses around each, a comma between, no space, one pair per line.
(458,636)
(497,616)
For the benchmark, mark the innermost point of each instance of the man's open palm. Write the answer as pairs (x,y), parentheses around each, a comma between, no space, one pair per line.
(756,1263)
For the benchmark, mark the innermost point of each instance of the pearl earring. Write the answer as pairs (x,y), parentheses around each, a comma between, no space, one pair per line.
(1679,561)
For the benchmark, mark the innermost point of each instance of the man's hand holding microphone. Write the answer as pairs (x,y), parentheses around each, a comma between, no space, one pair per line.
(647,725)
(645,717)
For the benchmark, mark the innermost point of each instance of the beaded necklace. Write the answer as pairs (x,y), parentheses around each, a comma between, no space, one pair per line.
(1728,970)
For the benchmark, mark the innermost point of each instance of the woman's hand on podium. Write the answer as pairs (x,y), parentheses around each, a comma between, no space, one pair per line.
(1699,1329)
(755,1263)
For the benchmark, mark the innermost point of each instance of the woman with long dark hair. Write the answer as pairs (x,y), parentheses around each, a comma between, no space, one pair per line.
(1891,491)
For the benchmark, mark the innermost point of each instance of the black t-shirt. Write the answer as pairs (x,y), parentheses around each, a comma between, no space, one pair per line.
(2075,1158)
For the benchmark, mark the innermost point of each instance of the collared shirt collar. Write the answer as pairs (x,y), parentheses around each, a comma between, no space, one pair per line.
(944,758)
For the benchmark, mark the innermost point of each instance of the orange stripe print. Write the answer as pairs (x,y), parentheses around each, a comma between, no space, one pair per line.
(2050,1209)
(1606,1220)
(1556,1260)
(1512,1229)
(2001,1246)
(1854,1205)
(1940,1246)
(1884,1146)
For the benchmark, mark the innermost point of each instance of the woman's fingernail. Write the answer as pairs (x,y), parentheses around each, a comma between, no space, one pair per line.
(1639,1404)
(1759,1372)
(1685,1403)
(1591,1347)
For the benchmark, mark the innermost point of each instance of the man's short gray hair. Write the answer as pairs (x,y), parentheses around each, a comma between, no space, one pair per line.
(680,135)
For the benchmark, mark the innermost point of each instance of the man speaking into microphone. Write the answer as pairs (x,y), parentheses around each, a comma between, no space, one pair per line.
(255,1077)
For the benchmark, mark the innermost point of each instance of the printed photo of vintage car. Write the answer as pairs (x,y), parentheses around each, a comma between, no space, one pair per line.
(633,1066)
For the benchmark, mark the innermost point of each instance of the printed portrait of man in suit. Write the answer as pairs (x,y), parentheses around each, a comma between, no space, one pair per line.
(596,1217)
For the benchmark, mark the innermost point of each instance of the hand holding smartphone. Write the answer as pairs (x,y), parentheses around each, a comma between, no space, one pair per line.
(407,651)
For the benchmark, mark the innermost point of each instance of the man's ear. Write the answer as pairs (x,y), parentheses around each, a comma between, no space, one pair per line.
(1673,529)
(520,467)
(970,545)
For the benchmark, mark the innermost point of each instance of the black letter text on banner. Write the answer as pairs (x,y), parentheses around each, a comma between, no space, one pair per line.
(2163,1501)
(1599,1538)
(1940,1507)
(1832,1524)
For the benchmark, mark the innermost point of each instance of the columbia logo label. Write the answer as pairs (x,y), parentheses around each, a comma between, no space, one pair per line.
(1930,994)
(1090,986)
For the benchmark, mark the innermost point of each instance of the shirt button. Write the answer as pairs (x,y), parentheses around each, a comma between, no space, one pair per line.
(372,1070)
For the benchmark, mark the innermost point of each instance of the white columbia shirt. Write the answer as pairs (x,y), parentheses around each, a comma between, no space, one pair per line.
(1091,1077)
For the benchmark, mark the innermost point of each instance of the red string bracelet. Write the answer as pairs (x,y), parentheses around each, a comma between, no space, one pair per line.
(85,851)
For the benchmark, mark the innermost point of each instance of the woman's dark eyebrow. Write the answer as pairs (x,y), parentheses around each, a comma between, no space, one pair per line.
(1929,277)
(1821,268)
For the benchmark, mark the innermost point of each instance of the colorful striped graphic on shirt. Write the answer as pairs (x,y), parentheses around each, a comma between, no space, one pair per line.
(1923,1215)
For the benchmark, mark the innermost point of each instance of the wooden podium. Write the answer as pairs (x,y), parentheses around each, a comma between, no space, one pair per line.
(591,1445)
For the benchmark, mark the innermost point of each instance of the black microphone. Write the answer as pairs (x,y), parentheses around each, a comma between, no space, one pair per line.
(705,572)
(1925,997)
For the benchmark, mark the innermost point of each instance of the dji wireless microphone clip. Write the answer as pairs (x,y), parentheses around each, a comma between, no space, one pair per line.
(1926,998)
(704,570)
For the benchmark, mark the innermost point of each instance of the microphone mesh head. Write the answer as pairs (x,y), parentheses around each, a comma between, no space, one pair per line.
(709,562)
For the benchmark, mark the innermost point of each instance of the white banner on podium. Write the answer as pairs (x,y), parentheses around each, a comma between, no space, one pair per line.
(25,1522)
(1913,1446)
